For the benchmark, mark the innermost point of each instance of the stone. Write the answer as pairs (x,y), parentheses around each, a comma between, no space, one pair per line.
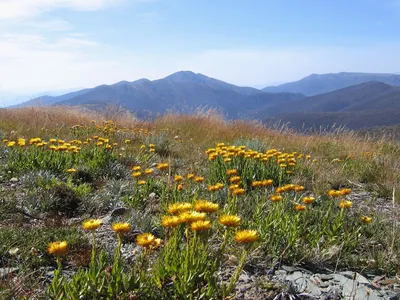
(5,272)
(119,211)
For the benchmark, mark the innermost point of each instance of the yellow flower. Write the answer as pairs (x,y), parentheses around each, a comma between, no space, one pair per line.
(234,179)
(233,187)
(121,227)
(345,191)
(21,142)
(205,206)
(136,168)
(127,141)
(136,174)
(72,170)
(145,239)
(299,207)
(192,216)
(345,204)
(179,207)
(229,220)
(11,144)
(179,187)
(170,221)
(141,182)
(190,176)
(308,200)
(57,248)
(200,225)
(148,171)
(156,244)
(246,236)
(366,219)
(238,191)
(299,188)
(267,182)
(275,198)
(213,188)
(199,179)
(178,178)
(256,183)
(162,166)
(280,189)
(334,193)
(92,224)
(231,172)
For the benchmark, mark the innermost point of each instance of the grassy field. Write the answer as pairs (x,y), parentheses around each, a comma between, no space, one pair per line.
(201,195)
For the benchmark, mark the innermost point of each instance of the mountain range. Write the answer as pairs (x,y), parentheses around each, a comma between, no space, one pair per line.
(315,84)
(356,100)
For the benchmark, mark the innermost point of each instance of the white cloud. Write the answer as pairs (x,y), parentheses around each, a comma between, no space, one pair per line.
(34,63)
(48,25)
(17,9)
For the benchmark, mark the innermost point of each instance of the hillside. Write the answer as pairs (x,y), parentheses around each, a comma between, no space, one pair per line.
(360,106)
(101,206)
(322,83)
(182,91)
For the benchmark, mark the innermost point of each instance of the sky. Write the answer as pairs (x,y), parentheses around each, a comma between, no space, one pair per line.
(55,46)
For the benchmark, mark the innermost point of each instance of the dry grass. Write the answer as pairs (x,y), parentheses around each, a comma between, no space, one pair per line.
(202,130)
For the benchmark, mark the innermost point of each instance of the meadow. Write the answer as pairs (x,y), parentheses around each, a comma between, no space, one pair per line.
(105,206)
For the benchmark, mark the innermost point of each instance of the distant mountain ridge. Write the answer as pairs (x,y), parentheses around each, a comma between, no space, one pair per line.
(364,105)
(315,84)
(182,91)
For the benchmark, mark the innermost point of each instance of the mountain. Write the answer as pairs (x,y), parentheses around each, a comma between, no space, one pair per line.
(363,105)
(315,84)
(47,100)
(183,91)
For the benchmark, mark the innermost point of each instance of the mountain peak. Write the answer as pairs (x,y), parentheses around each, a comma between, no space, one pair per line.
(186,76)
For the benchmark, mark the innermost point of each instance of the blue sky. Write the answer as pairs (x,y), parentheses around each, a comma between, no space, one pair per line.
(57,45)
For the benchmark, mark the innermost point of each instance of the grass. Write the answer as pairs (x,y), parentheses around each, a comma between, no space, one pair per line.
(75,165)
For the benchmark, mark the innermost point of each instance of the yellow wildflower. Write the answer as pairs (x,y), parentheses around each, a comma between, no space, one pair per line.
(345,204)
(238,191)
(179,207)
(246,236)
(57,248)
(275,198)
(308,200)
(366,219)
(92,224)
(205,206)
(178,178)
(229,220)
(192,216)
(170,221)
(231,172)
(121,227)
(145,240)
(199,179)
(299,207)
(200,225)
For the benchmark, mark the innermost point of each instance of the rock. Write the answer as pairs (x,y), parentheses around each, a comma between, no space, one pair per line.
(14,179)
(325,277)
(6,272)
(119,211)
(289,269)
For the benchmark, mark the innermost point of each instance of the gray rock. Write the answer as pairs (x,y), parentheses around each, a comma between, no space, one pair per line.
(325,277)
(119,211)
(5,272)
